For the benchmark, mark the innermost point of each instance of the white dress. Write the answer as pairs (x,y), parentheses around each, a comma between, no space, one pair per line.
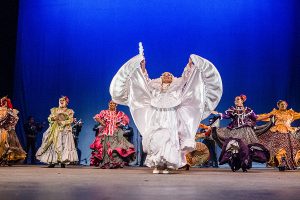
(168,117)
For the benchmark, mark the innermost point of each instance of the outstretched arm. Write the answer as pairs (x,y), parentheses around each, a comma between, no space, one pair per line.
(296,115)
(266,116)
(253,116)
(226,115)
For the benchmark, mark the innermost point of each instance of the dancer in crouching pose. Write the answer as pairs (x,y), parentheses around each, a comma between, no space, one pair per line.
(239,142)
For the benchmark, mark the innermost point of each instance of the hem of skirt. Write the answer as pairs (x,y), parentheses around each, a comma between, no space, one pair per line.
(161,162)
(125,153)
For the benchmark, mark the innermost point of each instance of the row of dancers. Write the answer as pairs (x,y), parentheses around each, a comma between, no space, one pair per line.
(110,149)
(167,112)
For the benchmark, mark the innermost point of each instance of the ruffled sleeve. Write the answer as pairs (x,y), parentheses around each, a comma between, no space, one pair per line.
(204,86)
(201,94)
(130,87)
(100,115)
(296,115)
(14,113)
(120,85)
(124,119)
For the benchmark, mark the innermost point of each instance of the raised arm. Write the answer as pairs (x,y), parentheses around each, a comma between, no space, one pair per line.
(187,70)
(129,77)
(144,70)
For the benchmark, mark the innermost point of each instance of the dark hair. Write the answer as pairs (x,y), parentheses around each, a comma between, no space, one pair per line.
(280,101)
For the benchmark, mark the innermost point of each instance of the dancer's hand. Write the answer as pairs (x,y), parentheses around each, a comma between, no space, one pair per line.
(190,63)
(143,66)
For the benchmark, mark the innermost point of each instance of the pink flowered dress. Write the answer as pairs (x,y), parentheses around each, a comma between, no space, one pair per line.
(110,148)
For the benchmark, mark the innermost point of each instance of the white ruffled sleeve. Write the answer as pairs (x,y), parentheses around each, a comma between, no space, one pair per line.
(130,87)
(201,94)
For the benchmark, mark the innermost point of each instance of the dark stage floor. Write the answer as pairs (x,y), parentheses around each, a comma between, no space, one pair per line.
(38,182)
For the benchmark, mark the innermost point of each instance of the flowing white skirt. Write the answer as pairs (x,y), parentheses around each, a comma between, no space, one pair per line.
(162,143)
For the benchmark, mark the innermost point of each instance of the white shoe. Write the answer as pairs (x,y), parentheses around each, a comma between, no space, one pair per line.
(155,171)
(166,171)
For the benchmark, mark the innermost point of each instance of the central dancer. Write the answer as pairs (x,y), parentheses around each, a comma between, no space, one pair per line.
(167,110)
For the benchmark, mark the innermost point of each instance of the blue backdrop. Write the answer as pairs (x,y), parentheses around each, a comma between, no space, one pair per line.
(74,47)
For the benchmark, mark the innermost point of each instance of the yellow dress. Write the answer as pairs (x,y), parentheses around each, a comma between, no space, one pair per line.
(281,139)
(283,120)
(10,147)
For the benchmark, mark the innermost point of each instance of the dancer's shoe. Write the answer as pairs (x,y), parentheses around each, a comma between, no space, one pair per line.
(51,166)
(155,171)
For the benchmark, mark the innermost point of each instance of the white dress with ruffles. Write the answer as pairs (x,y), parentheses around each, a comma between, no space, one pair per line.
(168,117)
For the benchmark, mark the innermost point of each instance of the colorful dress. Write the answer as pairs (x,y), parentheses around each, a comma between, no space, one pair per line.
(58,143)
(110,148)
(11,150)
(168,115)
(243,119)
(281,139)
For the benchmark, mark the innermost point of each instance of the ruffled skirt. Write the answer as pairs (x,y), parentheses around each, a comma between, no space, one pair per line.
(281,145)
(161,151)
(246,134)
(162,142)
(112,151)
(11,150)
(59,150)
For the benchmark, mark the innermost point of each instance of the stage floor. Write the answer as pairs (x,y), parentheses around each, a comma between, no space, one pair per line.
(88,183)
